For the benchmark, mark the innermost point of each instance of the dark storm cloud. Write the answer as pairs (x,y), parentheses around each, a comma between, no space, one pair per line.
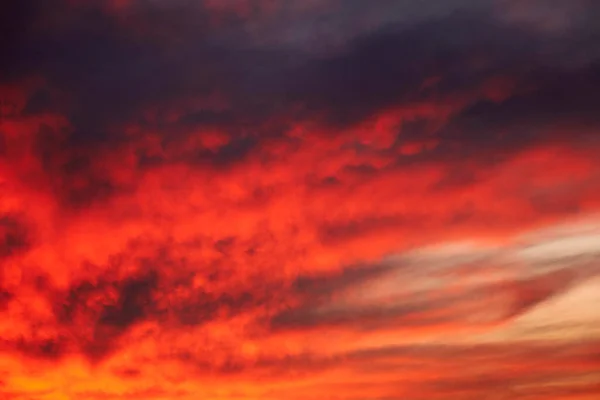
(559,103)
(105,69)
(234,152)
(16,18)
(388,67)
(110,70)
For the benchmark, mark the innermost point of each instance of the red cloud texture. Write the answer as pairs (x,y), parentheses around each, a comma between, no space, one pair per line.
(189,209)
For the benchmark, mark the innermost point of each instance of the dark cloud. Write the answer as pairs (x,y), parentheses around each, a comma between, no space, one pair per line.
(105,69)
(5,297)
(202,307)
(113,70)
(322,286)
(311,291)
(16,20)
(99,312)
(559,103)
(234,152)
(388,67)
(129,373)
(50,349)
(134,299)
(342,231)
(15,236)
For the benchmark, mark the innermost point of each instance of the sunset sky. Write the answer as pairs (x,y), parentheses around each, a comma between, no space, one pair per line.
(300,200)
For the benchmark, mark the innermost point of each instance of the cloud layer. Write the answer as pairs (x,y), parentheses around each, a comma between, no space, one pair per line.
(299,200)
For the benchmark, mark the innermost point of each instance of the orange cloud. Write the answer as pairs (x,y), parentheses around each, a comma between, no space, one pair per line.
(188,209)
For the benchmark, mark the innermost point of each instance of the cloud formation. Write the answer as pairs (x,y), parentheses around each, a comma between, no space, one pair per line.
(299,200)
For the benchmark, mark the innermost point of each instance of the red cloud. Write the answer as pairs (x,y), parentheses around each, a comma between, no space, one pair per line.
(189,212)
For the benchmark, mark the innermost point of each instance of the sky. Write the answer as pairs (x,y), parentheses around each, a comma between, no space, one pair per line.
(300,200)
